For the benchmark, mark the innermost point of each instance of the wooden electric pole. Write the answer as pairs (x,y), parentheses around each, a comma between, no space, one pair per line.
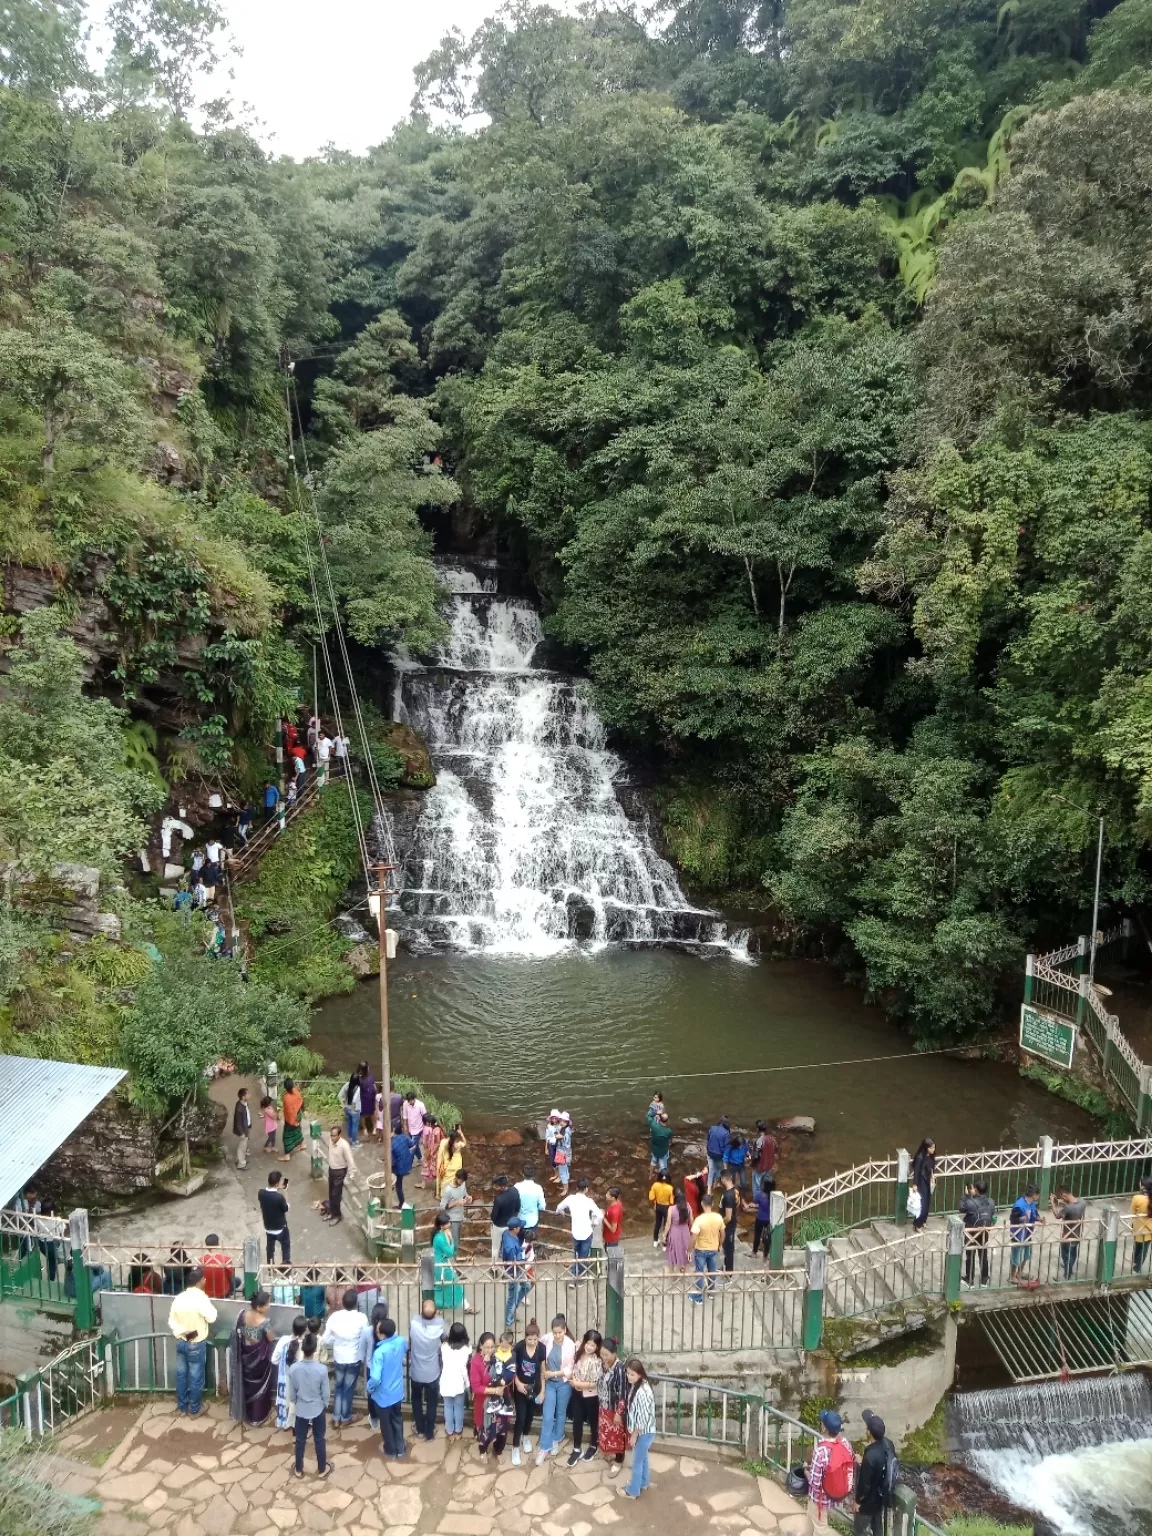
(382,871)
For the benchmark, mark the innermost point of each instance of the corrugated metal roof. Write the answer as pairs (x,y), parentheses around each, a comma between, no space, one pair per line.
(41,1104)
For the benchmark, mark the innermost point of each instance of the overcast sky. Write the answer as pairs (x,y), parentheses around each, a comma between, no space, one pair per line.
(337,72)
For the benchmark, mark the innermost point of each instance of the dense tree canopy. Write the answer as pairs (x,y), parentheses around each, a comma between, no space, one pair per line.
(798,350)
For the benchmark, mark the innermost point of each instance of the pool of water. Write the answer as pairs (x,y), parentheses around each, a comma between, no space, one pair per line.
(594,1033)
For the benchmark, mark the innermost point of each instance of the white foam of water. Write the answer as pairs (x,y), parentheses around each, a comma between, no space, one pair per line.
(524,829)
(1105,1490)
(458,578)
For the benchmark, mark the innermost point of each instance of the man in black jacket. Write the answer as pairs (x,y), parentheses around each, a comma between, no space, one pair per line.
(241,1126)
(505,1205)
(872,1480)
(978,1210)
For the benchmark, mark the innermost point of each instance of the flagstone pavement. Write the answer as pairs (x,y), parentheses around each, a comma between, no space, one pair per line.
(209,1477)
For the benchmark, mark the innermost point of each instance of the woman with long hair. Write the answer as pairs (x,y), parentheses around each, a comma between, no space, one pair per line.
(586,1374)
(253,1384)
(641,1419)
(678,1237)
(454,1351)
(449,1293)
(284,1356)
(449,1159)
(350,1099)
(613,1394)
(923,1178)
(556,1376)
(762,1205)
(430,1138)
(490,1378)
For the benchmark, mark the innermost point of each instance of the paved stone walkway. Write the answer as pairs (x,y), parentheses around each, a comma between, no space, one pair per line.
(209,1477)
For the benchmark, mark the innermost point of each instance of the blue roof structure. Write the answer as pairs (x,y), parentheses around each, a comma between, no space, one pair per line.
(41,1104)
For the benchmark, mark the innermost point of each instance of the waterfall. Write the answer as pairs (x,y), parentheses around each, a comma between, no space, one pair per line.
(523,846)
(1078,1453)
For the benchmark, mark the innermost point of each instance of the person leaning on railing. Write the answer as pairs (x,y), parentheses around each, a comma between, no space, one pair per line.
(189,1318)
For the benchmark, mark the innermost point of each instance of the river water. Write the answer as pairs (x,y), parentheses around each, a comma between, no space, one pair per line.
(551,959)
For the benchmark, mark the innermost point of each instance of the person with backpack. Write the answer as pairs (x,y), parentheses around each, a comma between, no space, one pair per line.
(978,1211)
(875,1480)
(831,1472)
(1022,1223)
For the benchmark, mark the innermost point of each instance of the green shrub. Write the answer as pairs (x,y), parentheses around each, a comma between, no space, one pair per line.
(980,1525)
(925,1446)
(816,1229)
(300,1062)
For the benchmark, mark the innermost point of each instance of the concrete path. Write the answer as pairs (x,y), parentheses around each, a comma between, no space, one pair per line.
(208,1477)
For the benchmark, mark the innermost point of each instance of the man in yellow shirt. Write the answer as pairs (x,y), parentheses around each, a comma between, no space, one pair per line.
(189,1318)
(661,1195)
(707,1236)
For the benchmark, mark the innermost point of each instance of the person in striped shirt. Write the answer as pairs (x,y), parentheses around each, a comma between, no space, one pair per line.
(641,1419)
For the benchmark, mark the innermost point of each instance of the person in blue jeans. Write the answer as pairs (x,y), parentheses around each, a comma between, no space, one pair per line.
(707,1237)
(718,1140)
(345,1333)
(386,1386)
(641,1421)
(189,1318)
(736,1162)
(403,1157)
(556,1373)
(512,1257)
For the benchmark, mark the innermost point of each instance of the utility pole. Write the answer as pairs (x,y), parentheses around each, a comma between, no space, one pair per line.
(315,685)
(382,871)
(1096,903)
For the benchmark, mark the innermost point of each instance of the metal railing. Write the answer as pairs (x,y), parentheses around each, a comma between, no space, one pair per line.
(34,1253)
(748,1309)
(870,1191)
(248,856)
(146,1363)
(761,1433)
(161,1270)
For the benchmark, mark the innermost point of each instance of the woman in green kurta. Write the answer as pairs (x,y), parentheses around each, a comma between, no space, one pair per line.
(449,1293)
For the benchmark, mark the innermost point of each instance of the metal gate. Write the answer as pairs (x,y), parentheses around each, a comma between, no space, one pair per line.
(1055,1340)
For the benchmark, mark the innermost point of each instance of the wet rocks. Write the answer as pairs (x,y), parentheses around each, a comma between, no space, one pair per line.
(507,1139)
(803,1124)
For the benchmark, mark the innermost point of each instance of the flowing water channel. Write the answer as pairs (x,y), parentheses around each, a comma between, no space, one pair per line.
(551,958)
(1078,1453)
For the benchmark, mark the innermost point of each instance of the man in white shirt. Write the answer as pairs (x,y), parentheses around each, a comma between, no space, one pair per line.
(323,755)
(344,1331)
(532,1201)
(584,1213)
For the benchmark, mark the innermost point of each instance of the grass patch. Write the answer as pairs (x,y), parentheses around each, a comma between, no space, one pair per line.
(980,1525)
(816,1229)
(924,1447)
(1114,1122)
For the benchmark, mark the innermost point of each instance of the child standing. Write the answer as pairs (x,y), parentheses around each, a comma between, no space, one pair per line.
(268,1105)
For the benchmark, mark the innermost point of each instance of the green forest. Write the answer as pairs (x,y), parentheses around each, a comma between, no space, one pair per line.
(798,351)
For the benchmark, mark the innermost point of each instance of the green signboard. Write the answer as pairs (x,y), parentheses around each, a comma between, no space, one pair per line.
(1041,1034)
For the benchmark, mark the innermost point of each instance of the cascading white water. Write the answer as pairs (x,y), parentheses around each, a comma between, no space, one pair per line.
(523,846)
(1078,1453)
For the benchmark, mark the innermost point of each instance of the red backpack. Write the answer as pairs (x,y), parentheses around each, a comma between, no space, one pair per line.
(838,1473)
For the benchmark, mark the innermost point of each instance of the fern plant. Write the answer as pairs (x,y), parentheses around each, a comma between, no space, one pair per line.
(140,743)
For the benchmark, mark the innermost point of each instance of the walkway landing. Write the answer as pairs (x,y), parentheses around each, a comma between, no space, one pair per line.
(208,1477)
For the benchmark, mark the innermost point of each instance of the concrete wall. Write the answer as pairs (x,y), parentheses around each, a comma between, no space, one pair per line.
(905,1395)
(29,1338)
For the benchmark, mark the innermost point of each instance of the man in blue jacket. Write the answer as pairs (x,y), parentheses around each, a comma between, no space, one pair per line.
(718,1140)
(386,1386)
(403,1156)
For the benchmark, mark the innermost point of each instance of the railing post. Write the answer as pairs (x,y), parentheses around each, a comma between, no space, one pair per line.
(1144,1106)
(251,1267)
(1110,1052)
(1109,1237)
(614,1296)
(408,1234)
(316,1149)
(953,1257)
(776,1239)
(1126,930)
(903,1168)
(1045,1169)
(903,1511)
(1029,974)
(427,1276)
(82,1280)
(30,1388)
(816,1264)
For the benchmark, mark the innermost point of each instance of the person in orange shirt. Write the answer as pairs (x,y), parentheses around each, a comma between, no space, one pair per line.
(660,1195)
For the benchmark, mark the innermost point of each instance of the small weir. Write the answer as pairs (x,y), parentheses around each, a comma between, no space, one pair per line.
(1078,1453)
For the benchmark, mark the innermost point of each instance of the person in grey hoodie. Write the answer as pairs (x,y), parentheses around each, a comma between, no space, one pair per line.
(424,1335)
(309,1392)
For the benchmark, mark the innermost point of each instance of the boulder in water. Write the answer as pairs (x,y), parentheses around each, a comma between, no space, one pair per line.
(802,1123)
(694,1151)
(507,1139)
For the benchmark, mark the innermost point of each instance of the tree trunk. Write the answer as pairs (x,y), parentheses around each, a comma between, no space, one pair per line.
(752,586)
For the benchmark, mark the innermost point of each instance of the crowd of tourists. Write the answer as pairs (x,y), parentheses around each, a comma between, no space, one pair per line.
(287,1379)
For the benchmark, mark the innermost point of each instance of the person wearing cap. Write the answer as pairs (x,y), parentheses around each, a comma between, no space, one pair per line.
(830,1473)
(872,1481)
(505,1205)
(512,1257)
(552,1136)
